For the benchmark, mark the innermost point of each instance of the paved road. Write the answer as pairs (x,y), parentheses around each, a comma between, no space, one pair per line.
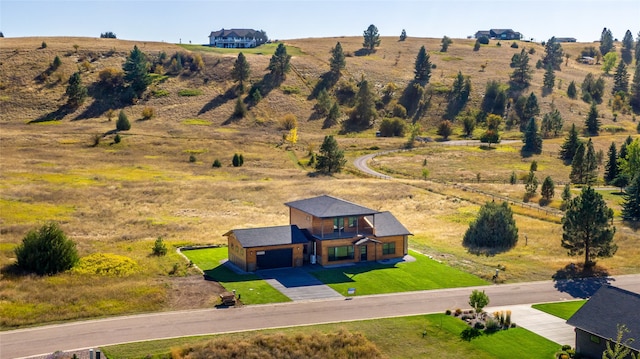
(45,340)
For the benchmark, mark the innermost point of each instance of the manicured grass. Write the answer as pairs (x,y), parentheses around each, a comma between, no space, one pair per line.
(378,278)
(250,288)
(400,337)
(562,310)
(266,49)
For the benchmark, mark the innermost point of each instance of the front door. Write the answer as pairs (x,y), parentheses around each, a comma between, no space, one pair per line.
(363,253)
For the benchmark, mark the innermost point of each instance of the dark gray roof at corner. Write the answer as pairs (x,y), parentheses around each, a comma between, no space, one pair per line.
(269,236)
(607,308)
(326,206)
(387,225)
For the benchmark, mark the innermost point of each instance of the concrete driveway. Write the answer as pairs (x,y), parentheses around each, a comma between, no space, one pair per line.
(297,284)
(545,325)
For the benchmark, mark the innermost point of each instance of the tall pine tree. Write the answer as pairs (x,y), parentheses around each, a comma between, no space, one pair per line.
(620,79)
(553,54)
(606,41)
(337,62)
(279,64)
(136,72)
(631,204)
(241,70)
(331,159)
(590,164)
(422,71)
(592,123)
(570,145)
(371,38)
(577,165)
(521,74)
(532,139)
(634,99)
(611,168)
(627,47)
(76,91)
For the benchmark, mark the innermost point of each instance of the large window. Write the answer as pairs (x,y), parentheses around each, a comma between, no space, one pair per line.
(338,224)
(388,248)
(340,253)
(353,222)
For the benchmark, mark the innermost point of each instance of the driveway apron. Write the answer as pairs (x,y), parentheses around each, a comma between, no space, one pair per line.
(297,284)
(545,325)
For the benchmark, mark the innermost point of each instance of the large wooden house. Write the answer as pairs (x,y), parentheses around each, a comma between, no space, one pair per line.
(237,38)
(323,230)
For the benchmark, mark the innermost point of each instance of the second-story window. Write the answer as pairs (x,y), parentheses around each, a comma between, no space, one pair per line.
(353,222)
(338,224)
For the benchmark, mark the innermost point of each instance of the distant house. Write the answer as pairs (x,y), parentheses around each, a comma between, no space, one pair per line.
(237,38)
(499,34)
(566,39)
(597,320)
(324,230)
(587,60)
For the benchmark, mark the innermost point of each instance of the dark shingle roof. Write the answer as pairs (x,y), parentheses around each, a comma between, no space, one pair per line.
(607,308)
(327,207)
(269,236)
(387,225)
(233,33)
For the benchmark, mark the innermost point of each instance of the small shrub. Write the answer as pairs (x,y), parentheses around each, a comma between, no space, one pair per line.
(290,90)
(447,312)
(46,251)
(159,93)
(192,158)
(43,45)
(492,326)
(123,123)
(96,140)
(159,248)
(240,111)
(288,122)
(479,325)
(190,92)
(514,45)
(458,312)
(148,113)
(216,163)
(117,139)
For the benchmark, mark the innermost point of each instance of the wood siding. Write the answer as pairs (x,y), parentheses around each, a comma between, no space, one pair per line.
(246,259)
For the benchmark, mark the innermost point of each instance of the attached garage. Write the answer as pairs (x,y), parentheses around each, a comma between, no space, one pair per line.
(275,258)
(266,248)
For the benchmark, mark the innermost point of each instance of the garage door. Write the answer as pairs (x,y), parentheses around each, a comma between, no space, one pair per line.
(275,258)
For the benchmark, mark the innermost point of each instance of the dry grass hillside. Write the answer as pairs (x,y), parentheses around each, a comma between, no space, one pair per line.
(117,198)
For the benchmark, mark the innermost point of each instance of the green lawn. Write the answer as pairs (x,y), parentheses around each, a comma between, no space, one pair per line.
(562,310)
(400,337)
(251,288)
(266,49)
(376,278)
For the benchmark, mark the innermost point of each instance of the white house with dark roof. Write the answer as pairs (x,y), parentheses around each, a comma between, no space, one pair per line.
(324,230)
(237,38)
(597,321)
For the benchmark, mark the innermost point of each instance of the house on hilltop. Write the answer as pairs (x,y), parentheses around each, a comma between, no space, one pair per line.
(237,38)
(324,230)
(597,321)
(499,34)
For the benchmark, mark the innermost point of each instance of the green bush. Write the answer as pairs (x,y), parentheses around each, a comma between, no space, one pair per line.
(492,326)
(192,158)
(190,92)
(216,163)
(43,45)
(117,139)
(514,45)
(148,113)
(159,248)
(390,127)
(478,326)
(46,251)
(290,90)
(494,229)
(123,123)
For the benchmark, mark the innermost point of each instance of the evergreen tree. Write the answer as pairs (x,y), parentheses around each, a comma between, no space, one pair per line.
(606,41)
(566,197)
(235,161)
(532,139)
(240,109)
(371,38)
(611,168)
(637,50)
(587,227)
(553,54)
(631,204)
(521,74)
(513,179)
(548,189)
(76,92)
(56,63)
(552,122)
(324,102)
(458,96)
(592,89)
(364,112)
(590,165)
(530,185)
(279,63)
(549,79)
(572,90)
(627,48)
(494,229)
(136,72)
(634,99)
(337,62)
(577,165)
(446,41)
(422,71)
(403,35)
(531,109)
(629,165)
(46,251)
(620,79)
(331,158)
(123,123)
(592,122)
(494,99)
(241,70)
(570,144)
(333,116)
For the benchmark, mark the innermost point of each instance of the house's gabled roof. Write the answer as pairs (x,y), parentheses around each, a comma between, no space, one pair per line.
(502,31)
(607,308)
(387,225)
(327,207)
(268,236)
(233,33)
